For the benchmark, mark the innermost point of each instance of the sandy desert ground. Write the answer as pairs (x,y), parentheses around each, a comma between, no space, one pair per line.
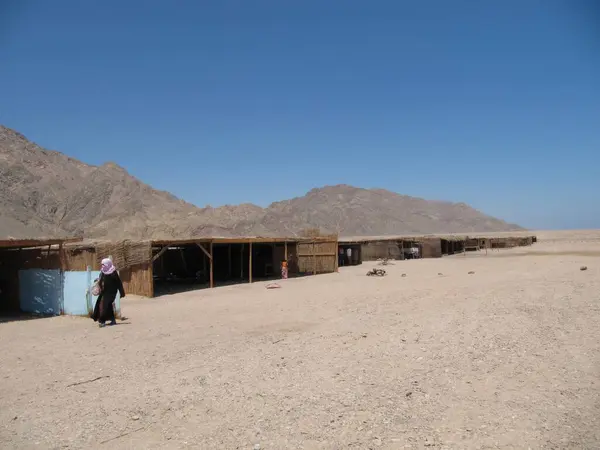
(508,357)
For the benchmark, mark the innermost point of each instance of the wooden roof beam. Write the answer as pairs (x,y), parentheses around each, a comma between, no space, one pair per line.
(204,250)
(159,254)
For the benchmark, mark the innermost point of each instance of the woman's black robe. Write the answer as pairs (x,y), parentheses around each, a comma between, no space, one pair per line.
(109,285)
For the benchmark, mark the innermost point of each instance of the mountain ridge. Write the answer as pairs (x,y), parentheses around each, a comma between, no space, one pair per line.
(45,192)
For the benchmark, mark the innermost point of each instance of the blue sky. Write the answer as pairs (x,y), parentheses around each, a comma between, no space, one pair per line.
(496,104)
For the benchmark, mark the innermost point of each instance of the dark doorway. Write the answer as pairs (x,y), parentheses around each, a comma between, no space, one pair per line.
(349,255)
(9,283)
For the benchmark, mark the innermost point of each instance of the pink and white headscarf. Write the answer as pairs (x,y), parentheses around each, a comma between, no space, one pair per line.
(107,266)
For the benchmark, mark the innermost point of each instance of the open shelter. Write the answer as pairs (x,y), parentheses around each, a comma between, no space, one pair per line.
(152,268)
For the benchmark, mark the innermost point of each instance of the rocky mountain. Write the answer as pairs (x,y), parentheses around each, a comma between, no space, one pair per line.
(45,193)
(352,211)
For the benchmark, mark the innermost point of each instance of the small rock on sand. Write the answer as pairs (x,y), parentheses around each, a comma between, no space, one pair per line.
(471,273)
(583,268)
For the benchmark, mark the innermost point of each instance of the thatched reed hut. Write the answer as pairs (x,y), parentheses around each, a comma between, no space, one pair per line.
(150,268)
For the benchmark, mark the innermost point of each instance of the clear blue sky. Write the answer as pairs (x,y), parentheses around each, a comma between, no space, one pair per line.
(494,103)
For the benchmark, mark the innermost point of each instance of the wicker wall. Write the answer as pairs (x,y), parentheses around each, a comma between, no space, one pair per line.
(279,256)
(126,253)
(317,257)
(79,259)
(137,279)
(472,244)
(372,251)
(510,242)
(431,248)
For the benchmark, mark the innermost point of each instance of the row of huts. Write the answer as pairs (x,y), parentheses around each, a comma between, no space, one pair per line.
(54,276)
(427,246)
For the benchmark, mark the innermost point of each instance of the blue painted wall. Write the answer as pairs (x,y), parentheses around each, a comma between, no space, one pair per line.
(118,305)
(79,300)
(55,292)
(76,287)
(41,291)
(92,298)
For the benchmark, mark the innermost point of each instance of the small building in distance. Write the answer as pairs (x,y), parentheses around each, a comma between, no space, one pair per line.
(372,248)
(500,240)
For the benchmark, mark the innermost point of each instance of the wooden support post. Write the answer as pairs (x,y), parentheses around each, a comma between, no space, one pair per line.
(275,264)
(60,256)
(150,281)
(314,251)
(183,261)
(229,261)
(337,257)
(242,262)
(212,284)
(285,254)
(209,257)
(250,265)
(46,262)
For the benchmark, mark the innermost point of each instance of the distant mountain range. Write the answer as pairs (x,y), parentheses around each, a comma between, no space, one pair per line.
(46,193)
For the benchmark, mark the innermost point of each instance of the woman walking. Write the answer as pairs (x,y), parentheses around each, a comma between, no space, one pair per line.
(110,283)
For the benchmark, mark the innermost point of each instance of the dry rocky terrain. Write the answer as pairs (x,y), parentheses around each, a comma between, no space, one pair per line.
(507,357)
(46,193)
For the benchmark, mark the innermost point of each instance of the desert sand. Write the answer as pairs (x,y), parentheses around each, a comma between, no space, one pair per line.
(507,357)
